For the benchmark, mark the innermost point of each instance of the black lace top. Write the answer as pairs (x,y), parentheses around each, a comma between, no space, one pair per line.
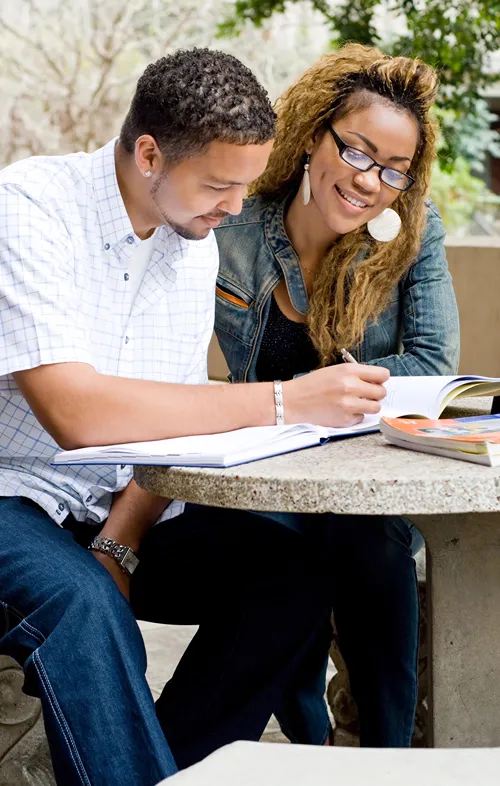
(286,349)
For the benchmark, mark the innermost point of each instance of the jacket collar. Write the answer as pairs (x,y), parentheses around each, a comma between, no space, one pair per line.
(284,253)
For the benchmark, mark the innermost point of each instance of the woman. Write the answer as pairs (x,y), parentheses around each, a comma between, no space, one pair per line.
(337,246)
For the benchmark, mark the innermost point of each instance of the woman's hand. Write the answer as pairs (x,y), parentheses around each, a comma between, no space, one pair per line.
(335,396)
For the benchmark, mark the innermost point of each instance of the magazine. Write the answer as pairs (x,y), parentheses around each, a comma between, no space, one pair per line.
(475,439)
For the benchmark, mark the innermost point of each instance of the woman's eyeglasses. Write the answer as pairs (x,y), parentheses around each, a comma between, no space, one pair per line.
(359,160)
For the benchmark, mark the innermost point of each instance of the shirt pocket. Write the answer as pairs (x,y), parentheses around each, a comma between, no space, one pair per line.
(234,295)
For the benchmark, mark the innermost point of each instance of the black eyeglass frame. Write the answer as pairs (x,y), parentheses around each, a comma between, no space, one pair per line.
(342,146)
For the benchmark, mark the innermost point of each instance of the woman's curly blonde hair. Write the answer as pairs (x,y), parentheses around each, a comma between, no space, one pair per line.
(358,276)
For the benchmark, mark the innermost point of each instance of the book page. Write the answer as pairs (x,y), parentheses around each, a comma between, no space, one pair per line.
(369,423)
(428,396)
(213,446)
(222,449)
(414,396)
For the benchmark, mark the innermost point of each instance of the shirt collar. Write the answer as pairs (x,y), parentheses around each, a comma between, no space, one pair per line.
(113,217)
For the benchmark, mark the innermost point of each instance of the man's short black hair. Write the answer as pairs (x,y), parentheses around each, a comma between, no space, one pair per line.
(194,97)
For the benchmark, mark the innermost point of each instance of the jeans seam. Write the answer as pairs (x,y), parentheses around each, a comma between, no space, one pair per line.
(5,616)
(31,631)
(10,609)
(61,720)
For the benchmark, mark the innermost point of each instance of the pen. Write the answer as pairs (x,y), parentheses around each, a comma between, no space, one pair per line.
(347,357)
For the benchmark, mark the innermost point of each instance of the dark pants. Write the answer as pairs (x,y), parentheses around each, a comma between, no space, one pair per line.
(253,591)
(372,588)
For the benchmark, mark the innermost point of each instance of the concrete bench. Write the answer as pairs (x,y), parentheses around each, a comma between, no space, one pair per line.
(260,764)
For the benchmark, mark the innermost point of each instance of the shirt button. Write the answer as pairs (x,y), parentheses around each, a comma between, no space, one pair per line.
(106,246)
(126,276)
(130,239)
(89,498)
(127,339)
(60,506)
(122,466)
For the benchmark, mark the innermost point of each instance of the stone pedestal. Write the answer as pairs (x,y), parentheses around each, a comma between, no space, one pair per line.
(24,753)
(464,620)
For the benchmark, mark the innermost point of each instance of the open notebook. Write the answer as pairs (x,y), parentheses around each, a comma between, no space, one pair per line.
(410,396)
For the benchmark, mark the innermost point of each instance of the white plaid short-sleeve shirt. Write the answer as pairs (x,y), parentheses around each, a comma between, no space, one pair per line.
(65,244)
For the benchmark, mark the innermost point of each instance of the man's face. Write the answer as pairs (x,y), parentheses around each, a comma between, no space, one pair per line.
(194,196)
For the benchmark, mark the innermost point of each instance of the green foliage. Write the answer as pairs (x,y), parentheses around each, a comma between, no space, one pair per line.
(455,36)
(354,21)
(459,195)
(468,136)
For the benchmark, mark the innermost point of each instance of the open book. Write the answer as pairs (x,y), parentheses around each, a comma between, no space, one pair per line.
(428,397)
(411,396)
(216,450)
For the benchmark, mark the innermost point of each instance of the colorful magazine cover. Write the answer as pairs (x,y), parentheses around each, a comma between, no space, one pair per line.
(482,428)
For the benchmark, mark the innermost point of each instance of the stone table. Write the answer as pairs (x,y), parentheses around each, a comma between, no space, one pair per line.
(456,506)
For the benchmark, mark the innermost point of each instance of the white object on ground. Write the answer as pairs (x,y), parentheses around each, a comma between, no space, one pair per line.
(264,764)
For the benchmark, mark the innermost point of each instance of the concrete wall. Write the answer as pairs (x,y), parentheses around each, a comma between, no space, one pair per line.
(475,266)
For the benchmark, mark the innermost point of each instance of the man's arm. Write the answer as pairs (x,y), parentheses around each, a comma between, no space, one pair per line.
(45,346)
(80,407)
(133,513)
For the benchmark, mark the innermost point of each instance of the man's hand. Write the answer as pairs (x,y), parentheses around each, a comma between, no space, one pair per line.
(335,396)
(122,579)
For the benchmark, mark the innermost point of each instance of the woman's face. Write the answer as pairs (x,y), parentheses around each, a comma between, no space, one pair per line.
(389,136)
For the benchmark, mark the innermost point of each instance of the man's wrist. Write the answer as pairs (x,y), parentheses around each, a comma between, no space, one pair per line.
(123,555)
(120,535)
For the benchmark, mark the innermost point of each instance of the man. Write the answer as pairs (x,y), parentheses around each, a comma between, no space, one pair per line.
(107,277)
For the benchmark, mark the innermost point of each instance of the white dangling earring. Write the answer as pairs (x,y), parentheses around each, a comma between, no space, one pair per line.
(306,182)
(386,226)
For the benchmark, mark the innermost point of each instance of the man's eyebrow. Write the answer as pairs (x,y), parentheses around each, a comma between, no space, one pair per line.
(374,147)
(220,182)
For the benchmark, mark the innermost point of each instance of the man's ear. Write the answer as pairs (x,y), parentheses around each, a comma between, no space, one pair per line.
(148,155)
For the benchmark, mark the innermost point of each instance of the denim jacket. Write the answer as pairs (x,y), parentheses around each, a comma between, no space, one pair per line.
(417,334)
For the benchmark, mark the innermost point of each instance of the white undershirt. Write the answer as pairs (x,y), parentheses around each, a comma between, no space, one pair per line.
(138,264)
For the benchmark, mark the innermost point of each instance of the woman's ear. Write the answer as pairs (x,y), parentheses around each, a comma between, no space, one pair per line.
(310,144)
(315,140)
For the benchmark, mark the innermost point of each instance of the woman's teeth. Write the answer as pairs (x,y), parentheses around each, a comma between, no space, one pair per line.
(351,199)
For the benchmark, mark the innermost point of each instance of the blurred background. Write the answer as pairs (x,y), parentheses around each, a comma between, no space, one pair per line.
(68,70)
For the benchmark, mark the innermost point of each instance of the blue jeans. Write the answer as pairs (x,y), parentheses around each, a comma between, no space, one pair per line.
(252,591)
(373,592)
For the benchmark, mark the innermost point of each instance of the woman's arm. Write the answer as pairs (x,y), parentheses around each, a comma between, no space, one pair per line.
(431,333)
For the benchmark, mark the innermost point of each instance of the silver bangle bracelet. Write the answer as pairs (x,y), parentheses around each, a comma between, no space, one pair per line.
(278,403)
